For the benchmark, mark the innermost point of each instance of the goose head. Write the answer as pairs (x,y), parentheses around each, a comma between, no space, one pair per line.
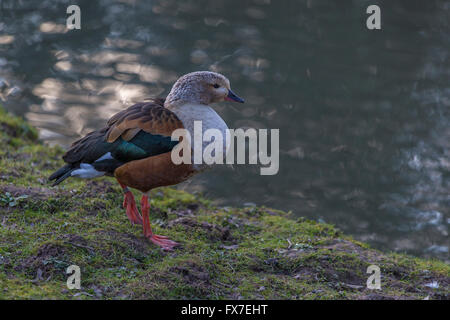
(201,87)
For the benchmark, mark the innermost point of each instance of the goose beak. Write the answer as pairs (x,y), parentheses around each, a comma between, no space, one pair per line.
(233,97)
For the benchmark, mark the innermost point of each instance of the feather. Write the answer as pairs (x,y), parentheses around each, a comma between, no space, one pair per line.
(149,117)
(140,131)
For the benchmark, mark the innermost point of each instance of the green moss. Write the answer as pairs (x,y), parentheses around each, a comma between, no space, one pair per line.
(226,253)
(15,130)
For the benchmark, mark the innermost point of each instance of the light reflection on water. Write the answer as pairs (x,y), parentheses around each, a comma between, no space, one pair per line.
(363,115)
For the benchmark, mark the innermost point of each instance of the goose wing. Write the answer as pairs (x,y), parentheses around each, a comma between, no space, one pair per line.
(140,131)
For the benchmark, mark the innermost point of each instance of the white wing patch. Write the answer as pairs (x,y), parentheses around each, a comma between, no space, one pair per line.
(87,171)
(106,156)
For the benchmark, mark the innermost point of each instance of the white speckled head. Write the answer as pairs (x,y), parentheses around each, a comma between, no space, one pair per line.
(201,87)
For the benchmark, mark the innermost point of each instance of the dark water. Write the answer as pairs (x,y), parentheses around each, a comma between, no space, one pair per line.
(363,115)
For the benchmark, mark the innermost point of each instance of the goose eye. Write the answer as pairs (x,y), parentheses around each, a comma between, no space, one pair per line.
(216,85)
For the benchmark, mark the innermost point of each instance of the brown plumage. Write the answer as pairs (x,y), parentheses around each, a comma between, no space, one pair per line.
(135,145)
(81,150)
(158,171)
(151,117)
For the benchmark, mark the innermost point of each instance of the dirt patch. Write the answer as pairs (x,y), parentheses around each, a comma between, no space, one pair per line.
(193,206)
(192,273)
(368,256)
(32,192)
(183,212)
(189,210)
(394,276)
(48,262)
(77,241)
(375,296)
(213,231)
(96,187)
(12,173)
(93,207)
(128,243)
(307,274)
(315,264)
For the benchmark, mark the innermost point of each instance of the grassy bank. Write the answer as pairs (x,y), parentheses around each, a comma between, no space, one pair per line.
(226,253)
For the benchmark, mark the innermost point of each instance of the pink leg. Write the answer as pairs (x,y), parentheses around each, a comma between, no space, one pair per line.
(130,205)
(162,241)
